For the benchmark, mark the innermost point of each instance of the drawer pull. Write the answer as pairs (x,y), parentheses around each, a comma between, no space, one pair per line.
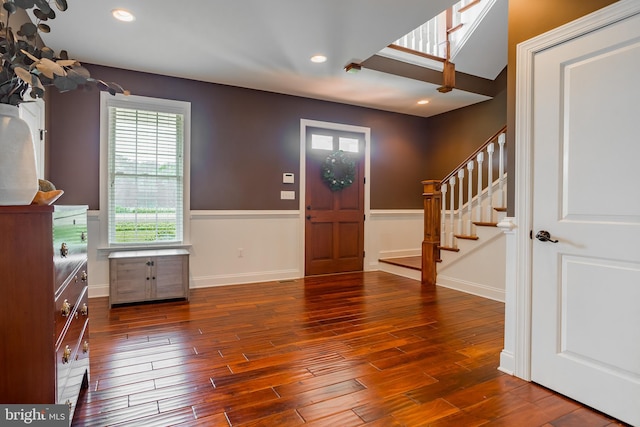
(66,308)
(64,250)
(85,347)
(66,354)
(84,310)
(83,237)
(83,276)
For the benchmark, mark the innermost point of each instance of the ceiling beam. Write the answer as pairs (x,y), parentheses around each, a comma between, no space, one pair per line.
(463,81)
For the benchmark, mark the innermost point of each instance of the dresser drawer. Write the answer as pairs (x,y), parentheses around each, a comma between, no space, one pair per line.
(79,364)
(68,343)
(69,242)
(67,300)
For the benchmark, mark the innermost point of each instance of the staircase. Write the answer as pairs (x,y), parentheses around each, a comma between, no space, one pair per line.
(442,37)
(463,248)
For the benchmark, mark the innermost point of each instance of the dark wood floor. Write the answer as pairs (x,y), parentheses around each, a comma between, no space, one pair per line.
(344,350)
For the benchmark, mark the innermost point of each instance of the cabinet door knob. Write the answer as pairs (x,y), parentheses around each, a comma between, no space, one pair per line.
(84,310)
(64,250)
(85,347)
(66,308)
(66,354)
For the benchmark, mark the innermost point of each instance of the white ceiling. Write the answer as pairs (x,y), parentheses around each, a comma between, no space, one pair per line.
(266,45)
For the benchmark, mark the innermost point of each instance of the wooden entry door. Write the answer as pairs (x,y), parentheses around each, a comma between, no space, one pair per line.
(334,225)
(586,272)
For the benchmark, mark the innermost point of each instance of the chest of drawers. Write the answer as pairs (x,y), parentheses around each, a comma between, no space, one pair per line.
(44,320)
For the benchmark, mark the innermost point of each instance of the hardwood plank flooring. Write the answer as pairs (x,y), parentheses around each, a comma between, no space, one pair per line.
(344,350)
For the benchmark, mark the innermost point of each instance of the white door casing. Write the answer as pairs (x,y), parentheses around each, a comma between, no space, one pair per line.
(576,148)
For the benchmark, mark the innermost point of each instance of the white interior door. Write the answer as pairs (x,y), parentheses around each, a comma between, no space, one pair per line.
(33,114)
(586,194)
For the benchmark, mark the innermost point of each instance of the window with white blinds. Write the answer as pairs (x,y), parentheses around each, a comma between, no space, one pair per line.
(146,151)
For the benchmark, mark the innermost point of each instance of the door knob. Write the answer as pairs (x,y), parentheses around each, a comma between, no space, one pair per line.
(545,236)
(308,207)
(308,216)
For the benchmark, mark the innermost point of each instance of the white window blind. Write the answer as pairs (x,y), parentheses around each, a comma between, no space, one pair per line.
(146,176)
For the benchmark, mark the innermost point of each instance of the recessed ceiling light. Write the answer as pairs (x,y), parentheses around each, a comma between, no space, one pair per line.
(318,59)
(423,102)
(123,15)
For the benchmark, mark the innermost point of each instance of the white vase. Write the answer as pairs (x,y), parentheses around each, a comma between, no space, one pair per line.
(18,176)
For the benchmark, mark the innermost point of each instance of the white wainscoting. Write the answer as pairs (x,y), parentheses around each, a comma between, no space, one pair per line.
(234,247)
(479,267)
(394,234)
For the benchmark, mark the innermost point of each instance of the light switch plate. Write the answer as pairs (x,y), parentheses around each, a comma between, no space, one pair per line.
(287,195)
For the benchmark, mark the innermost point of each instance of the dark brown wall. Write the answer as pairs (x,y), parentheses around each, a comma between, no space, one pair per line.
(527,19)
(459,133)
(242,141)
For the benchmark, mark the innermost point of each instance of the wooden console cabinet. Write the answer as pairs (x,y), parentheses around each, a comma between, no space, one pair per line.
(148,275)
(44,318)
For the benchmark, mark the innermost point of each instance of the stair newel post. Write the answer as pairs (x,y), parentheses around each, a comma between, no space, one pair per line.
(490,149)
(452,184)
(470,167)
(501,141)
(480,160)
(431,242)
(443,215)
(460,201)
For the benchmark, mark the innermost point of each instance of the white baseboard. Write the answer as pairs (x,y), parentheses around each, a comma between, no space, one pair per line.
(400,253)
(507,362)
(96,291)
(470,288)
(241,278)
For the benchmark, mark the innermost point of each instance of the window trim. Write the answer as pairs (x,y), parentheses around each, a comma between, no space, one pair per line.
(153,104)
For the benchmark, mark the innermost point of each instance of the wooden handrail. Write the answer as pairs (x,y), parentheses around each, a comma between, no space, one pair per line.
(469,6)
(474,154)
(415,52)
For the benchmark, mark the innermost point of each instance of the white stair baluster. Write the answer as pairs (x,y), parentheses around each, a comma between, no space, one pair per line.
(470,166)
(501,198)
(480,159)
(443,217)
(452,184)
(489,215)
(460,229)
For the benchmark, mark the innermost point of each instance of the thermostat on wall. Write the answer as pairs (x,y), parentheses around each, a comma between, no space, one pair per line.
(287,178)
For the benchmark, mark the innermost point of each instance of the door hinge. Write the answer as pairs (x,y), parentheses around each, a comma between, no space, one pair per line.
(364,254)
(364,179)
(364,217)
(42,132)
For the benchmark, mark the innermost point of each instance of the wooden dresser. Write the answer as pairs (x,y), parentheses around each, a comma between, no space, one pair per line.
(44,320)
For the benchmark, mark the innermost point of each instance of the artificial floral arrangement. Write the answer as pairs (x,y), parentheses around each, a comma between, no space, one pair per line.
(27,63)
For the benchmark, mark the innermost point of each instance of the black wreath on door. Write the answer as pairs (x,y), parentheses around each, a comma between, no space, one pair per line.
(338,170)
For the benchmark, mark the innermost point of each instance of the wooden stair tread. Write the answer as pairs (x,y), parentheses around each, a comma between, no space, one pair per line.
(447,248)
(412,262)
(502,209)
(466,237)
(485,224)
